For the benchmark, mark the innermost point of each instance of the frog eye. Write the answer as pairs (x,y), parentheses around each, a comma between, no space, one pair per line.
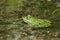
(28,17)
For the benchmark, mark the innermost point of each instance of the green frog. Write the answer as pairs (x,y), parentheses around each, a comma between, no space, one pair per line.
(36,22)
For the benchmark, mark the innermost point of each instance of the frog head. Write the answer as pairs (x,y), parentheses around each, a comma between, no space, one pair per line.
(26,18)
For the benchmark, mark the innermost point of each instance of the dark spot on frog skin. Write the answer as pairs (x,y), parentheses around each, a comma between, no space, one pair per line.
(39,23)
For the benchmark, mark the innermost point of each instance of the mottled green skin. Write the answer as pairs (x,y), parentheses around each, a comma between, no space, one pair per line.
(32,21)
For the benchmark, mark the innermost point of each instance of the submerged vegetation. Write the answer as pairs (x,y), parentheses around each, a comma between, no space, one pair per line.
(12,27)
